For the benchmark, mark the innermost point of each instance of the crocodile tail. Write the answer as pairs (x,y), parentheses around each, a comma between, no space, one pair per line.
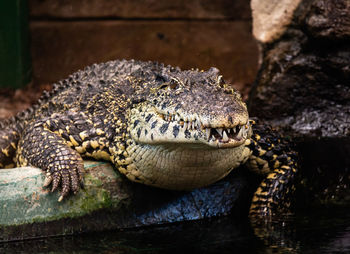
(10,132)
(274,157)
(9,136)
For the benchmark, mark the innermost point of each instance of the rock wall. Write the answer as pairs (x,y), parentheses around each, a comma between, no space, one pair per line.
(304,78)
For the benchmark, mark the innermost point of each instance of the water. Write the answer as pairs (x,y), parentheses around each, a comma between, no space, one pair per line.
(321,230)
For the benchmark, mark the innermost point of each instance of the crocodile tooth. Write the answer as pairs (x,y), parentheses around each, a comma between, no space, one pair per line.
(240,133)
(234,129)
(246,129)
(224,137)
(207,132)
(219,130)
(228,130)
(185,125)
(193,124)
(198,120)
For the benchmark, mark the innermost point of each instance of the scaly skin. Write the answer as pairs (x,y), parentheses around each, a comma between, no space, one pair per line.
(158,125)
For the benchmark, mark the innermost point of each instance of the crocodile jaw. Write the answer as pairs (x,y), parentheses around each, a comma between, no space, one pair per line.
(182,167)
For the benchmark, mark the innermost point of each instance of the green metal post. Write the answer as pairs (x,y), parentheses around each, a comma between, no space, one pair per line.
(15,62)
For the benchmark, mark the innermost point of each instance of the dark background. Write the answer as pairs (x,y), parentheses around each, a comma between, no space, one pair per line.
(69,35)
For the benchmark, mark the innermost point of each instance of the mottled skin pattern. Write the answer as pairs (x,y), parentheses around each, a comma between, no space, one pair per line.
(157,124)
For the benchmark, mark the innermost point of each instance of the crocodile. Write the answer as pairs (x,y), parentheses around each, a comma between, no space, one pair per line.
(159,125)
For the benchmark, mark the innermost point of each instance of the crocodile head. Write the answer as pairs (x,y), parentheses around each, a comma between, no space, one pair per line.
(188,132)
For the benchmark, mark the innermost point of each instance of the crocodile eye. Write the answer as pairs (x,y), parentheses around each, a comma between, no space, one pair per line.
(173,84)
(163,86)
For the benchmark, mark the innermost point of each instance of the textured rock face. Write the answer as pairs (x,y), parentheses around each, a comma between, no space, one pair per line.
(329,19)
(303,88)
(304,81)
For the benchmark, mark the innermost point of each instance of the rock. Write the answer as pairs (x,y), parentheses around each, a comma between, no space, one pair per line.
(303,83)
(108,201)
(23,200)
(271,18)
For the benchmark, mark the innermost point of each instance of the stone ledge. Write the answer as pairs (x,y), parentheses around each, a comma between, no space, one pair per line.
(109,201)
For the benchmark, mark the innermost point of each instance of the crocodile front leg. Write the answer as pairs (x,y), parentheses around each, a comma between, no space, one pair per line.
(56,144)
(273,157)
(41,147)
